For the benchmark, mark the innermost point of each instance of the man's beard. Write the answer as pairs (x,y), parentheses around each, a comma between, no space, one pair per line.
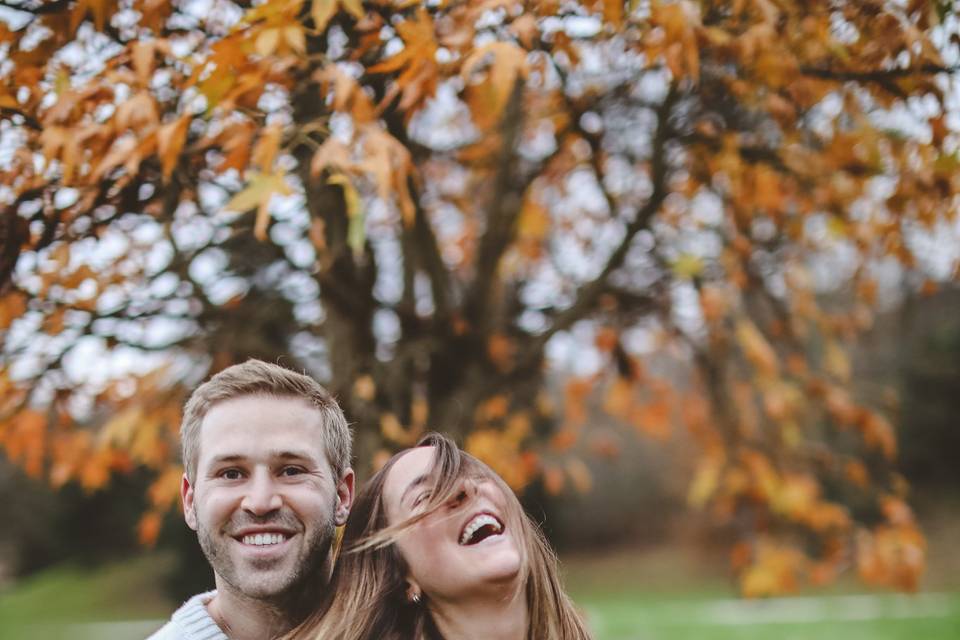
(288,583)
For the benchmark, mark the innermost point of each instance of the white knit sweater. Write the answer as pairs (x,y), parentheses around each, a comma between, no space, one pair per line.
(191,622)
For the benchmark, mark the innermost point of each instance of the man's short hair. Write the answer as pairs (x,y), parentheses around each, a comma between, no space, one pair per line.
(255,377)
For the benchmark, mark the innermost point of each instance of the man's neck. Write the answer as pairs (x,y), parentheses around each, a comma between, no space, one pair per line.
(489,618)
(241,617)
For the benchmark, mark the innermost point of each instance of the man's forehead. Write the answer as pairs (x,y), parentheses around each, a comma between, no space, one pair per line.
(262,427)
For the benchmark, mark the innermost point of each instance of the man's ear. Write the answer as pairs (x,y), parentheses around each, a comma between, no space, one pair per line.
(186,495)
(344,497)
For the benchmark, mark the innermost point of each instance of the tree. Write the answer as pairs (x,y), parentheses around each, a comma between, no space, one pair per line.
(427,197)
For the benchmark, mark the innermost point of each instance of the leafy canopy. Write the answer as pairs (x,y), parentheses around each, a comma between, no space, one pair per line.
(441,208)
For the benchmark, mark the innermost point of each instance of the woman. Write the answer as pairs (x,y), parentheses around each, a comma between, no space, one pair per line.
(437,547)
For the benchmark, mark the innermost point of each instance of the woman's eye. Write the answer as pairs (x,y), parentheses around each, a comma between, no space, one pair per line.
(421,498)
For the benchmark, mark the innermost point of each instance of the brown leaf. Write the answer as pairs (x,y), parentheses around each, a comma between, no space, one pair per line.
(756,349)
(501,65)
(266,148)
(170,140)
(580,475)
(322,11)
(260,189)
(148,529)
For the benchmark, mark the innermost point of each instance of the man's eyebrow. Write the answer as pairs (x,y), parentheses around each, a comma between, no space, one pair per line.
(291,455)
(419,480)
(303,456)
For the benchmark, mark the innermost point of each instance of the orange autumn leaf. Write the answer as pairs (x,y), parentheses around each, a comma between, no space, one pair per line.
(857,474)
(365,388)
(148,529)
(878,433)
(580,475)
(619,398)
(494,408)
(418,78)
(170,140)
(575,398)
(393,431)
(165,490)
(258,193)
(775,570)
(563,440)
(501,351)
(505,64)
(706,480)
(503,455)
(25,441)
(266,148)
(607,339)
(553,480)
(757,349)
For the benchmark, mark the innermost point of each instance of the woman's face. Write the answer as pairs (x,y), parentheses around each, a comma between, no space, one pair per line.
(462,549)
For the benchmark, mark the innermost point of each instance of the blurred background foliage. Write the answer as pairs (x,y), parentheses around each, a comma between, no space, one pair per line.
(641,257)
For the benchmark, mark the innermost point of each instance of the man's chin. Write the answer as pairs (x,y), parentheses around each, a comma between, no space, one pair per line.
(265,585)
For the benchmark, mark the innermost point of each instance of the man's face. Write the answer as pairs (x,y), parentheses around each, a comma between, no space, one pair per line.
(265,501)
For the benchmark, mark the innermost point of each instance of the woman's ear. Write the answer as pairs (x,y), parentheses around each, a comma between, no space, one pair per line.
(414,594)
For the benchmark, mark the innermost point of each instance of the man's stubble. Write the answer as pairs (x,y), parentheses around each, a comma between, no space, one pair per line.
(308,571)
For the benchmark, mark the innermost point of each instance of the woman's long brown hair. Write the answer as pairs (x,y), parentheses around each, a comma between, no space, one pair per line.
(366,598)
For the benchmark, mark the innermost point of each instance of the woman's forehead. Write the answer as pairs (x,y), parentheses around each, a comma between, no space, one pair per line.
(413,467)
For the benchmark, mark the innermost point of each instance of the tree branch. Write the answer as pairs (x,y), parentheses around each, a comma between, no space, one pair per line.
(421,236)
(588,293)
(51,7)
(877,75)
(10,112)
(502,215)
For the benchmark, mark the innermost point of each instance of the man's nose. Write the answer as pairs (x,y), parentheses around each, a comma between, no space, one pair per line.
(262,495)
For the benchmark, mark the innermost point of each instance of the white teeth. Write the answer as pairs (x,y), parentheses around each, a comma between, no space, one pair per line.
(479,521)
(262,539)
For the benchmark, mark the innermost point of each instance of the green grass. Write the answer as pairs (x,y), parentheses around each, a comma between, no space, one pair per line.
(678,594)
(68,601)
(640,616)
(663,594)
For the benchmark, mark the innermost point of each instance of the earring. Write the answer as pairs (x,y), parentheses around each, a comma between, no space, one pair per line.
(415,598)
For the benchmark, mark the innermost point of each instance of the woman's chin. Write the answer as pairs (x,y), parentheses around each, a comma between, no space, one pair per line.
(499,566)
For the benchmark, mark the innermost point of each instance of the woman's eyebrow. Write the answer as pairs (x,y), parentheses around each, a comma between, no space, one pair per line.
(419,480)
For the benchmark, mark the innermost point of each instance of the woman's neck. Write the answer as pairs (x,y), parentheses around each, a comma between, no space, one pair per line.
(482,618)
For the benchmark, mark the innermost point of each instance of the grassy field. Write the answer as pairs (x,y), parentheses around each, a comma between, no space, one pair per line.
(673,594)
(662,594)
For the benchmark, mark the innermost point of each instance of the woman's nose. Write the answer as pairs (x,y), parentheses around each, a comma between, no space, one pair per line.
(468,491)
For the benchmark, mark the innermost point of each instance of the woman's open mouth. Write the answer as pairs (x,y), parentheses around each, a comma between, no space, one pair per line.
(479,528)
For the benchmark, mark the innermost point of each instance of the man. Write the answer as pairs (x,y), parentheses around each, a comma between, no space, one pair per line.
(266,454)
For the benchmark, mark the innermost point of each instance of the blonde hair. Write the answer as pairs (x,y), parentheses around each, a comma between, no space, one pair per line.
(255,377)
(367,600)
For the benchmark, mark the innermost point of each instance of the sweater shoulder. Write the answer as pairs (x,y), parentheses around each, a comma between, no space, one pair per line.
(191,622)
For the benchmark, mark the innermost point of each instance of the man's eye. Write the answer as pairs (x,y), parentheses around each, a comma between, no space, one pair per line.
(231,474)
(292,471)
